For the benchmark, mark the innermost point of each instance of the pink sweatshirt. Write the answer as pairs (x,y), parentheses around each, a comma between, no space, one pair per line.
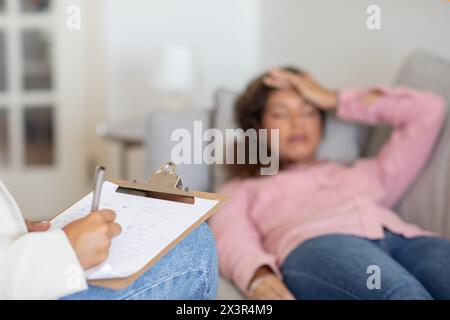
(267,217)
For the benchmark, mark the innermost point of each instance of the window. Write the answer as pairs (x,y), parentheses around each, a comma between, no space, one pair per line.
(4,137)
(2,61)
(39,135)
(36,60)
(34,5)
(27,88)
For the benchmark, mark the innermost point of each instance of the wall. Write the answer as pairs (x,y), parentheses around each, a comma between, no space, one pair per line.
(330,39)
(235,39)
(223,35)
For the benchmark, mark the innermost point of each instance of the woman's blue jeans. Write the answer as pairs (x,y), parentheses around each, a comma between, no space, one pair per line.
(347,267)
(187,272)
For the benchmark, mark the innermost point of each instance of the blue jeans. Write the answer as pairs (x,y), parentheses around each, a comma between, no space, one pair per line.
(187,272)
(338,267)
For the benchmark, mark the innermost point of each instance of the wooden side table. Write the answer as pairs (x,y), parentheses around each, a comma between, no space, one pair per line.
(128,134)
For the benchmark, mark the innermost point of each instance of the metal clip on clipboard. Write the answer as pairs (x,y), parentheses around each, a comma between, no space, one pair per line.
(162,184)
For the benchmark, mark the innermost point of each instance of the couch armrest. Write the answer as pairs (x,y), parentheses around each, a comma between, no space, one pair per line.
(426,203)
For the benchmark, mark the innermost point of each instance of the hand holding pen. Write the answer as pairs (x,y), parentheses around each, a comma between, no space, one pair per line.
(91,236)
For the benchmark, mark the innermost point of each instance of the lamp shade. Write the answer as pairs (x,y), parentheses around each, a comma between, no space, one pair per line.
(175,69)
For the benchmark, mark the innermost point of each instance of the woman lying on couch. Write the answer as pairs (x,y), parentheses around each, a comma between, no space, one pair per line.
(318,229)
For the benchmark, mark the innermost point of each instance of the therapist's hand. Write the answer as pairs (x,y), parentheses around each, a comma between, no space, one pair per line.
(91,237)
(37,226)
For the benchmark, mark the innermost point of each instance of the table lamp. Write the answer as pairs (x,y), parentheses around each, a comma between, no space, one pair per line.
(174,76)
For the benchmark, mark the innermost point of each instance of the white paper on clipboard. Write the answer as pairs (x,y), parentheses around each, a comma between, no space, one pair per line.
(148,226)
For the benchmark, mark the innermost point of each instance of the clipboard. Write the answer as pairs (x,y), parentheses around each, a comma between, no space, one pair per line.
(162,184)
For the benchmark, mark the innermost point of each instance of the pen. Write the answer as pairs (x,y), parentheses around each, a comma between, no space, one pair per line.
(98,182)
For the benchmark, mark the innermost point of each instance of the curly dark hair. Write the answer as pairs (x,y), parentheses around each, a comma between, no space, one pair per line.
(249,108)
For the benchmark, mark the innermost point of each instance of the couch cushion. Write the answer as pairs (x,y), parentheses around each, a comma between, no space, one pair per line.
(227,291)
(427,202)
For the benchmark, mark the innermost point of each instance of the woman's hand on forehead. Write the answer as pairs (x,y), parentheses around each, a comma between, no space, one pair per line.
(311,91)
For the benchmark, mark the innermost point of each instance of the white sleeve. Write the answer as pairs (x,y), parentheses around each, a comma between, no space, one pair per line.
(39,265)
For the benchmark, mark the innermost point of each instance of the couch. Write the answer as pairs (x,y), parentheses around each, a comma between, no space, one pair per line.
(427,203)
